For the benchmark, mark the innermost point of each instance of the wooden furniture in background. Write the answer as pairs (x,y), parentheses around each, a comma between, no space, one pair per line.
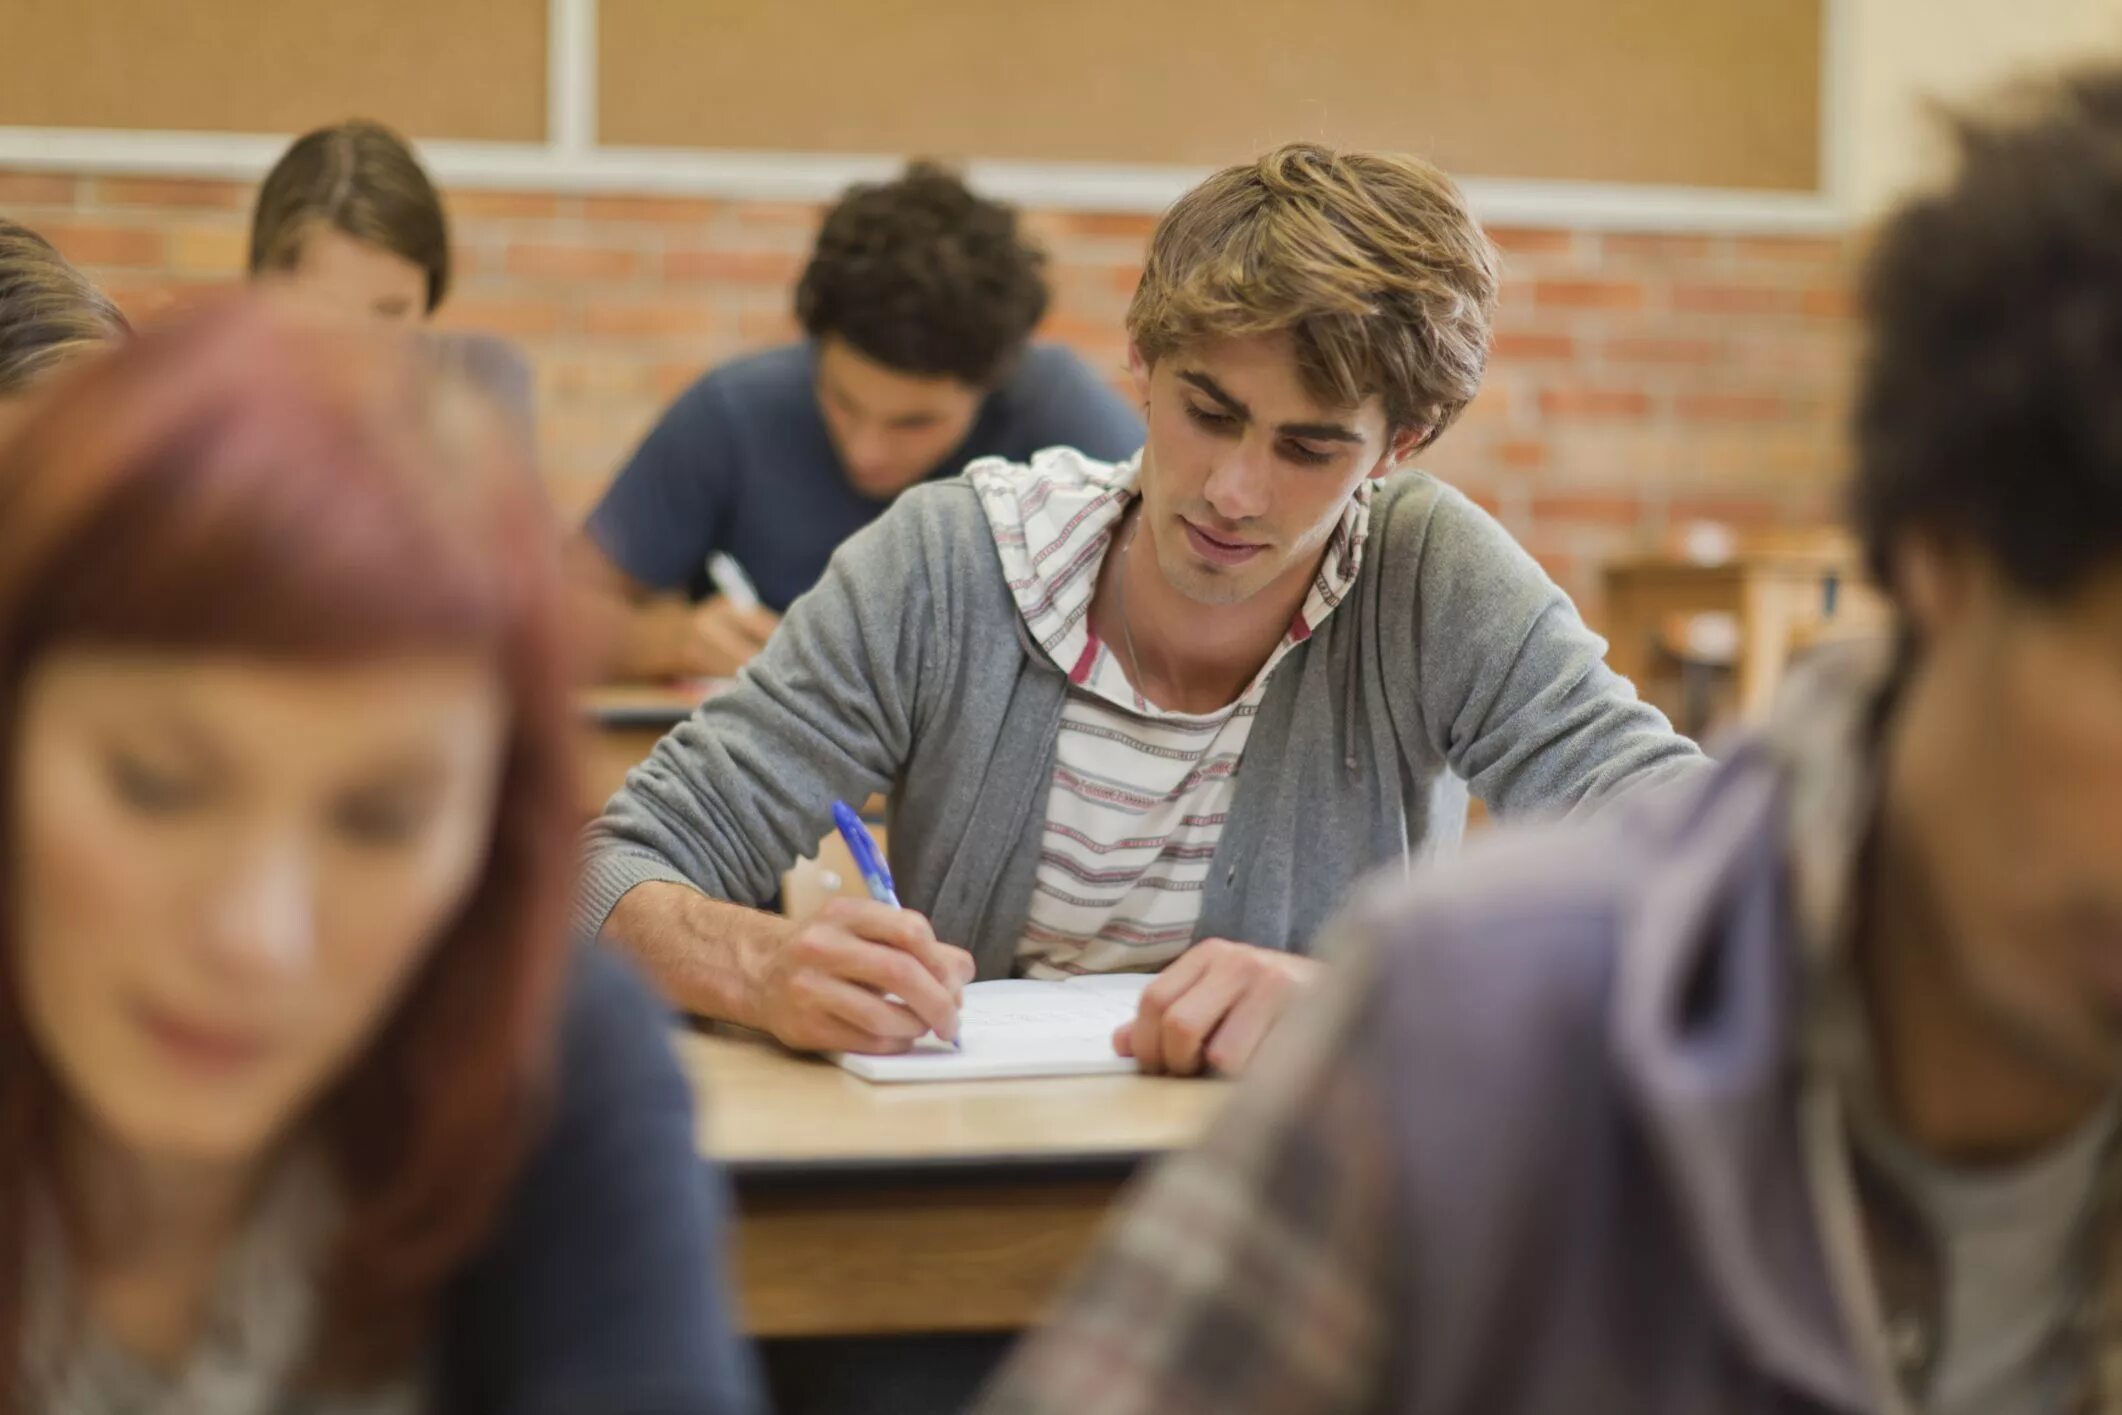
(1777,592)
(1725,94)
(940,1207)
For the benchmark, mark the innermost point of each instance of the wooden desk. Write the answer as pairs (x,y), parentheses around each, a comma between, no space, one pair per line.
(942,1207)
(1776,596)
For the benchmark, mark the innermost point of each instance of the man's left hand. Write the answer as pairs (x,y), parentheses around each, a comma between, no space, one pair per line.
(1212,1007)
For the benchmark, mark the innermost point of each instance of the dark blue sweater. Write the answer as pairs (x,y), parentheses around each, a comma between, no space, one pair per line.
(602,1292)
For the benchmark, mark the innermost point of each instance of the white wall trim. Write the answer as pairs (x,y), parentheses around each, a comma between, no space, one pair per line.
(1839,133)
(571,75)
(774,176)
(571,160)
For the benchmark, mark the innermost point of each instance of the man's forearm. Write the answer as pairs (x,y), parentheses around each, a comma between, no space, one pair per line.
(700,952)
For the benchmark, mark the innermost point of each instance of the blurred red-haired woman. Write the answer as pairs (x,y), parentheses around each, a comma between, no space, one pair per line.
(305,1100)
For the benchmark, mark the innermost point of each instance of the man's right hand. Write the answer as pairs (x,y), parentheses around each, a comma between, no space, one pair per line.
(855,976)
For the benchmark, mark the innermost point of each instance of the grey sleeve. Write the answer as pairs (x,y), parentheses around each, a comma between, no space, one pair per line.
(732,796)
(1514,688)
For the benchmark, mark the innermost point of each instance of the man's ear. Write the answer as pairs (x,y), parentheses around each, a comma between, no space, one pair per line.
(1138,373)
(1402,445)
(1934,582)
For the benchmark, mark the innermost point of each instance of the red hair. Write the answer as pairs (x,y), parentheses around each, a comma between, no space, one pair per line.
(235,484)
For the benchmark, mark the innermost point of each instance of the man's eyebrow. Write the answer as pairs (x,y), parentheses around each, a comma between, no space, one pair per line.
(1315,432)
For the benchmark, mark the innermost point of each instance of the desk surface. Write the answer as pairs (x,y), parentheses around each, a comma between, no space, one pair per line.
(767,1111)
(647,704)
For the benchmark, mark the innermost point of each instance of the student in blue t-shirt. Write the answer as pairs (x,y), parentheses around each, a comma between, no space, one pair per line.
(918,303)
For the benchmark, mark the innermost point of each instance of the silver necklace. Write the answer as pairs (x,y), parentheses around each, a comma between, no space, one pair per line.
(1127,634)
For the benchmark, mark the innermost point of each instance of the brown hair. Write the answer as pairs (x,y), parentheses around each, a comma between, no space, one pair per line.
(1985,410)
(360,178)
(925,277)
(49,312)
(1371,262)
(232,484)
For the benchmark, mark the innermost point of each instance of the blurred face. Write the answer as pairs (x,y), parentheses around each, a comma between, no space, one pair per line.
(2005,777)
(350,281)
(228,871)
(891,429)
(13,407)
(1245,476)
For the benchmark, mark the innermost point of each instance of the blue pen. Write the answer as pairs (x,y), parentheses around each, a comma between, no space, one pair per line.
(876,875)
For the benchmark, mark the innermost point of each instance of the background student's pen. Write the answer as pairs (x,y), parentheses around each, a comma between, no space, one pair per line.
(731,582)
(876,875)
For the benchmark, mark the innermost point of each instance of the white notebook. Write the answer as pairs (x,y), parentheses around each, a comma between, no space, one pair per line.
(1020,1027)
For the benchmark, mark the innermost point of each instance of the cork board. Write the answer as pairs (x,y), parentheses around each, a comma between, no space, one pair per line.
(1720,93)
(432,68)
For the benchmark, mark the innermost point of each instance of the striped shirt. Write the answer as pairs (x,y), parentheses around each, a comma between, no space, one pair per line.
(1139,795)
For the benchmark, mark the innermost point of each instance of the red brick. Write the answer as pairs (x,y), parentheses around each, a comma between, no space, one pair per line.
(1829,302)
(1582,509)
(1526,348)
(107,245)
(1588,294)
(1560,566)
(1818,250)
(209,250)
(1483,497)
(777,213)
(694,210)
(1125,224)
(36,189)
(163,191)
(542,260)
(1644,245)
(646,319)
(494,315)
(1732,407)
(1594,402)
(1648,350)
(767,326)
(733,267)
(481,204)
(1123,279)
(1522,454)
(1069,328)
(598,380)
(1734,299)
(1528,240)
(1735,510)
(668,380)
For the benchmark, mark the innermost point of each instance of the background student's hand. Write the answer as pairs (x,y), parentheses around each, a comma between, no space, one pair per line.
(1212,1007)
(668,638)
(721,638)
(822,984)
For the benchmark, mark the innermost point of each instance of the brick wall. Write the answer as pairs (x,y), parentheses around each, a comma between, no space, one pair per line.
(1639,381)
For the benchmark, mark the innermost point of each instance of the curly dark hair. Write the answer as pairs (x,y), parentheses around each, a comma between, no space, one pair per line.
(1990,406)
(925,277)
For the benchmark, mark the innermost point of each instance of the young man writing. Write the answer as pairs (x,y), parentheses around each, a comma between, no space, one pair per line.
(917,305)
(1158,715)
(1792,1088)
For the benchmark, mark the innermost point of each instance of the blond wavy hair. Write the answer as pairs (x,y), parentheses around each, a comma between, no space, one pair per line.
(49,311)
(1370,261)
